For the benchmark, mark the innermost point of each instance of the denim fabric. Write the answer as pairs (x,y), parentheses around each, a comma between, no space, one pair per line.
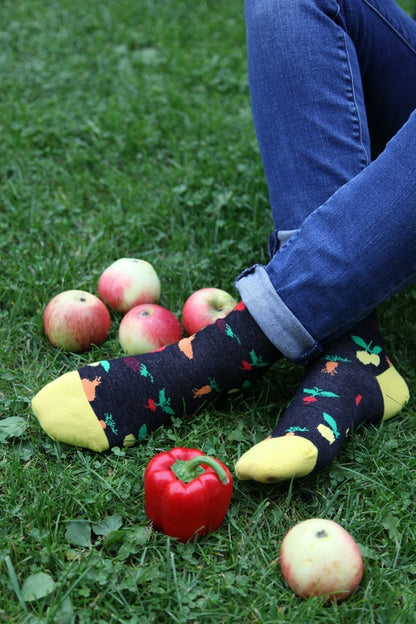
(264,303)
(333,89)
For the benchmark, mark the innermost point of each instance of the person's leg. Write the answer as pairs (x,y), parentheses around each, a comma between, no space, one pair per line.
(363,227)
(118,402)
(330,83)
(351,383)
(74,407)
(366,37)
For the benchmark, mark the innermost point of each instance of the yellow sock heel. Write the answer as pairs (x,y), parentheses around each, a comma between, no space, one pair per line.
(65,414)
(394,390)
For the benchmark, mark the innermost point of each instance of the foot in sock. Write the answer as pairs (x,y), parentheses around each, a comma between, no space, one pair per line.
(117,402)
(352,382)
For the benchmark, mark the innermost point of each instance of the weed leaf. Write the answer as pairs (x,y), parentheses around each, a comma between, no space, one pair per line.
(391,524)
(37,586)
(107,525)
(12,427)
(78,533)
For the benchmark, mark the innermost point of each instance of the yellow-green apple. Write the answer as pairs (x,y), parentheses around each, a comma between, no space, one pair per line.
(147,327)
(319,557)
(204,307)
(75,320)
(128,282)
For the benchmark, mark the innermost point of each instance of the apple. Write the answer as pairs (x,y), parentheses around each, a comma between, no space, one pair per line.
(319,557)
(75,320)
(147,327)
(204,307)
(128,282)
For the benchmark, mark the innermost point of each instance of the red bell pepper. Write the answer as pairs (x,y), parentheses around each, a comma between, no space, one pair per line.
(187,493)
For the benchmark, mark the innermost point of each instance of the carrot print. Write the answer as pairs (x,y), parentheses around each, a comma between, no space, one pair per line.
(330,368)
(90,386)
(207,389)
(185,345)
(331,365)
(200,392)
(109,421)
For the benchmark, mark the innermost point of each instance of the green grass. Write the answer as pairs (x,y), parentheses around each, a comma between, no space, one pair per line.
(126,131)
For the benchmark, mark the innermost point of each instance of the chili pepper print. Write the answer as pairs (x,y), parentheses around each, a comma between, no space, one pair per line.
(187,493)
(254,362)
(313,393)
(163,403)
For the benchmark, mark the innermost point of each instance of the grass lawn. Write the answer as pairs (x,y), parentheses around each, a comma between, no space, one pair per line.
(126,131)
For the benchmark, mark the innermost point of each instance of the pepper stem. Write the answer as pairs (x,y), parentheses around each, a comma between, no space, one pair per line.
(187,470)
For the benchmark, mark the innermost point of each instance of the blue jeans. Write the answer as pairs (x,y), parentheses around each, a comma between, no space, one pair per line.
(333,90)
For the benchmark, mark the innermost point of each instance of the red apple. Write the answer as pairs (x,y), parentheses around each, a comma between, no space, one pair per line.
(204,307)
(75,320)
(320,558)
(147,327)
(129,282)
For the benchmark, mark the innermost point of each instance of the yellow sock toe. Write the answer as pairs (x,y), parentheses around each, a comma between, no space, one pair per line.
(277,459)
(65,414)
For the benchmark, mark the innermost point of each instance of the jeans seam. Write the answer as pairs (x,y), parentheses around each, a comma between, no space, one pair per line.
(390,25)
(354,101)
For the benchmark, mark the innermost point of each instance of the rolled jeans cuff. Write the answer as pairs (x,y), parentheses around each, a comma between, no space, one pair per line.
(274,318)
